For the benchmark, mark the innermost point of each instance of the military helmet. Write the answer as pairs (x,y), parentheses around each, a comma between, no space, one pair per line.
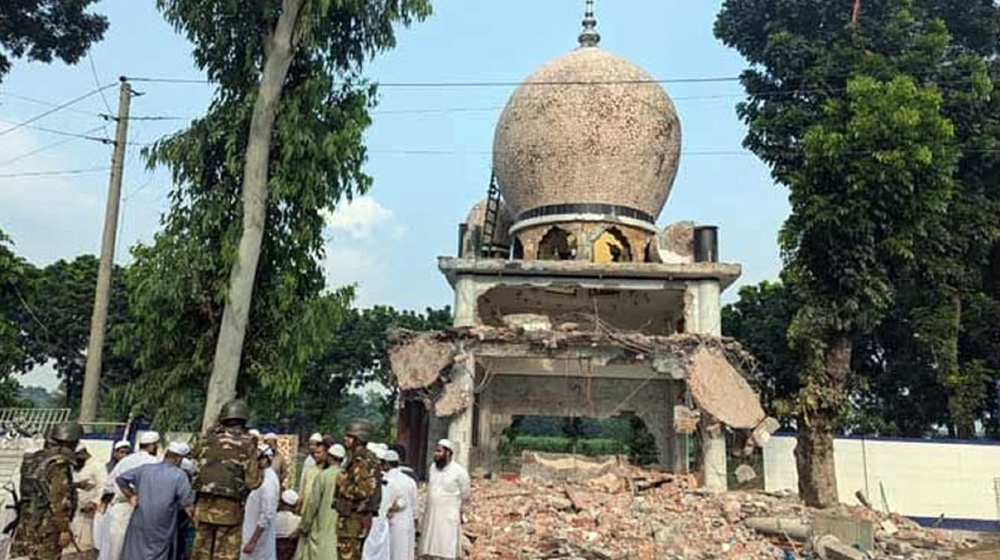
(361,429)
(234,410)
(67,432)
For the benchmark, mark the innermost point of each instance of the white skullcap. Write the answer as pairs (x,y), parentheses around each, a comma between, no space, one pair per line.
(377,450)
(179,448)
(148,438)
(121,444)
(447,444)
(270,435)
(390,456)
(290,497)
(187,465)
(338,451)
(255,433)
(316,438)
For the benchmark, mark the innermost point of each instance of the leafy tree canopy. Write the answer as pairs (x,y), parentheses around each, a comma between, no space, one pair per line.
(45,29)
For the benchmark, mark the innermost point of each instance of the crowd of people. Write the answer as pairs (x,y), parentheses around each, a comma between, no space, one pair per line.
(230,498)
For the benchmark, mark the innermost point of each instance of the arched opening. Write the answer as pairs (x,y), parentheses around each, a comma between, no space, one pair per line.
(517,251)
(612,246)
(557,245)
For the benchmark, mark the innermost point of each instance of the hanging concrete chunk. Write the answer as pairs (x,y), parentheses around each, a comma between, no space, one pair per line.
(721,391)
(418,363)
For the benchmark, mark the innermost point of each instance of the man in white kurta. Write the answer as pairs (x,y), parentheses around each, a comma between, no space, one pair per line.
(448,488)
(260,539)
(122,449)
(120,512)
(402,519)
(90,480)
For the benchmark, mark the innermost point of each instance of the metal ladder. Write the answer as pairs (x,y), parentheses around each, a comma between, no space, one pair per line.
(486,248)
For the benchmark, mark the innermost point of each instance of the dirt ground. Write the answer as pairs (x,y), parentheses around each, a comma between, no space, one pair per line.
(989,551)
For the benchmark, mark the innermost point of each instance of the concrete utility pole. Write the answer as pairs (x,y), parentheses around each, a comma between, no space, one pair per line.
(99,320)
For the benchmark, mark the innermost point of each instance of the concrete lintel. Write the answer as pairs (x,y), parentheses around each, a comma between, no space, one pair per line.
(483,283)
(724,273)
(566,367)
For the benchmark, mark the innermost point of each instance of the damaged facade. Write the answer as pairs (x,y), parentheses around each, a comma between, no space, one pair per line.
(569,300)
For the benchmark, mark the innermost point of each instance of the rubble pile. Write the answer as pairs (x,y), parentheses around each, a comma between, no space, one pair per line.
(632,514)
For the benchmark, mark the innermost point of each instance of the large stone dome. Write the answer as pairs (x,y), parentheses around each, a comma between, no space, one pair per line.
(589,133)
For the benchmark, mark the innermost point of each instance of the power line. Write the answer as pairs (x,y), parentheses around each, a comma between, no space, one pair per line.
(38,101)
(55,109)
(64,132)
(152,118)
(97,81)
(53,145)
(698,80)
(53,173)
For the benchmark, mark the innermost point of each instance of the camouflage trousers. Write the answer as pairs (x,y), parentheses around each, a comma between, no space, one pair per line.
(217,542)
(32,541)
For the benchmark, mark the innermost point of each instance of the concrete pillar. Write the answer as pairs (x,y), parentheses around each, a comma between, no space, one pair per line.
(465,301)
(676,453)
(691,317)
(460,425)
(713,473)
(708,310)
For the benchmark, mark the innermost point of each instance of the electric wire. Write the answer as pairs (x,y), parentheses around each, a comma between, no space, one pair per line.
(97,81)
(64,132)
(53,173)
(45,102)
(40,149)
(55,109)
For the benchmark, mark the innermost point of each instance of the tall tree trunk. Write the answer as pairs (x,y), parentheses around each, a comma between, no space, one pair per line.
(957,399)
(279,50)
(817,428)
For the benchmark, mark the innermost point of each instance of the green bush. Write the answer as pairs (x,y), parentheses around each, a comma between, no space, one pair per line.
(553,444)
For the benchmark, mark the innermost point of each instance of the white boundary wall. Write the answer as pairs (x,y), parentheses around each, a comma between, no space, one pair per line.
(921,478)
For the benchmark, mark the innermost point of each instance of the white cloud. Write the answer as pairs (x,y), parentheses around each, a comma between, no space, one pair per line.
(360,218)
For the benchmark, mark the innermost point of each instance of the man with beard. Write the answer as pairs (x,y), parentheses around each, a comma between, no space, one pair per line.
(448,489)
(121,450)
(89,477)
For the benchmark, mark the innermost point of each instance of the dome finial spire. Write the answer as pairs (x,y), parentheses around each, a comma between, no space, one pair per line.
(589,37)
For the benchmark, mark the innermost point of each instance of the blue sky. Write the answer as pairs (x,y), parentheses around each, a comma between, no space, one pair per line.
(429,147)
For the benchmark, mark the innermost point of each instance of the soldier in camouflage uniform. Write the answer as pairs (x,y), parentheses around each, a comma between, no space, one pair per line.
(227,470)
(359,491)
(48,497)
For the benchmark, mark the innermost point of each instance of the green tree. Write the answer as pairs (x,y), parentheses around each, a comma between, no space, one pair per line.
(287,123)
(62,300)
(849,118)
(355,358)
(45,29)
(759,320)
(303,154)
(15,357)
